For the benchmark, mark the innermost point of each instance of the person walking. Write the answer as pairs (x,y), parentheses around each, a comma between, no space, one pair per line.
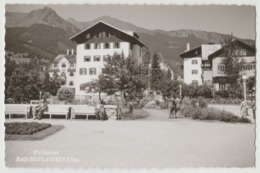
(178,107)
(172,107)
(244,109)
(253,106)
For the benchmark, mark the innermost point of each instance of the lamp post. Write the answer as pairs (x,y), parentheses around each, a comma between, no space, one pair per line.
(244,77)
(180,90)
(40,95)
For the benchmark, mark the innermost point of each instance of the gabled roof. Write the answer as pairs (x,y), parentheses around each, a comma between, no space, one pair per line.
(70,58)
(192,53)
(235,43)
(130,34)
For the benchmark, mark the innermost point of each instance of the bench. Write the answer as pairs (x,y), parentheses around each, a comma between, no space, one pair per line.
(82,110)
(62,110)
(17,109)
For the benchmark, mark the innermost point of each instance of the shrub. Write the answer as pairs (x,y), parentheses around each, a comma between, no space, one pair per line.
(222,93)
(10,100)
(211,114)
(66,94)
(202,103)
(164,105)
(193,102)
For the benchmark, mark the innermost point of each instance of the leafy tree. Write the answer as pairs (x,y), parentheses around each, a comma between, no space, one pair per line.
(120,75)
(66,94)
(233,66)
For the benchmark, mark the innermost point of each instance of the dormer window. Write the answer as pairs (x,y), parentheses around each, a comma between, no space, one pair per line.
(63,65)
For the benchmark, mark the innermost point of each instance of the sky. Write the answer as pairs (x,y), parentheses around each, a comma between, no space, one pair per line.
(238,20)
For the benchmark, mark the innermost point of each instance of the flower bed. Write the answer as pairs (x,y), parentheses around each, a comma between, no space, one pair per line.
(211,114)
(25,128)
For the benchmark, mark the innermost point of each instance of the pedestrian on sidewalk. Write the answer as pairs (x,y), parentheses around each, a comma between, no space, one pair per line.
(178,107)
(253,106)
(172,107)
(244,108)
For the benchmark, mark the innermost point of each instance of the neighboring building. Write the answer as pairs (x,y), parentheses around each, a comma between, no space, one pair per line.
(244,53)
(64,67)
(204,64)
(196,66)
(95,44)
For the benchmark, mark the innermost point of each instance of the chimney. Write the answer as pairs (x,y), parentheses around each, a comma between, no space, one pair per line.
(72,51)
(188,47)
(68,51)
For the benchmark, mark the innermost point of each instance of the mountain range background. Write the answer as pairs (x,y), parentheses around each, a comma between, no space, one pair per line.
(44,33)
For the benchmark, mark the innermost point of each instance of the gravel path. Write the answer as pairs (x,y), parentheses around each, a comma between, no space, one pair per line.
(139,144)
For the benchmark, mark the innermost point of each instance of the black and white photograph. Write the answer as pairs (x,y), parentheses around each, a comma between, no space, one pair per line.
(129,86)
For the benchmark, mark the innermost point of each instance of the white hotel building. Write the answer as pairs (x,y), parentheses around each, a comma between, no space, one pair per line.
(204,63)
(94,45)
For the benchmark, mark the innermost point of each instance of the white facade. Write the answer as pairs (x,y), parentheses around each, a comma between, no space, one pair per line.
(192,70)
(94,45)
(91,53)
(64,69)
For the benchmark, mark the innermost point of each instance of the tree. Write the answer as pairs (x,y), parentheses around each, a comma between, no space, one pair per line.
(232,68)
(66,94)
(50,85)
(156,73)
(121,75)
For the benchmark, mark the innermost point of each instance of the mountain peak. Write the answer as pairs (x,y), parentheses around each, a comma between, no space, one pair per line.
(43,11)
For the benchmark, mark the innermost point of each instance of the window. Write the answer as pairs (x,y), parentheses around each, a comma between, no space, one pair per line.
(194,71)
(71,74)
(195,82)
(194,62)
(116,45)
(97,58)
(82,87)
(105,58)
(248,66)
(87,46)
(131,46)
(97,46)
(71,83)
(71,65)
(222,86)
(100,35)
(63,65)
(221,67)
(55,65)
(107,46)
(239,52)
(92,71)
(88,36)
(83,71)
(87,58)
